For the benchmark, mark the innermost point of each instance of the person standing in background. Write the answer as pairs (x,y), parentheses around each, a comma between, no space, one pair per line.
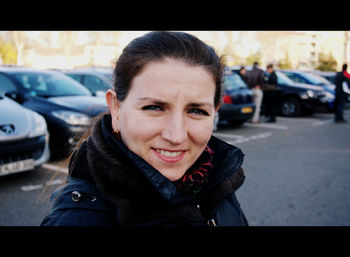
(243,74)
(341,93)
(270,93)
(255,80)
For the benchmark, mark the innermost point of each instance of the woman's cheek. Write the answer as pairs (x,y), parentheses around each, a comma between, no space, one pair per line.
(201,133)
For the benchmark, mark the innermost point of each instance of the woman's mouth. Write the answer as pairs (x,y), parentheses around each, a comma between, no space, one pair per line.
(170,156)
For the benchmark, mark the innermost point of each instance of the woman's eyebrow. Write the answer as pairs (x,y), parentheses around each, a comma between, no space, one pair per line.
(160,102)
(200,104)
(153,100)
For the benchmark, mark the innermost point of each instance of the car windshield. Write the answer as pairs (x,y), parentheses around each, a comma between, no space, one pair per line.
(233,82)
(313,79)
(48,84)
(317,79)
(283,79)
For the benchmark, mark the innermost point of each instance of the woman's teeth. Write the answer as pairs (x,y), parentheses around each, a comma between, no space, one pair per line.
(169,154)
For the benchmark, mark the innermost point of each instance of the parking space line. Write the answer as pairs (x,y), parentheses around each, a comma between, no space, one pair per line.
(27,188)
(31,187)
(262,125)
(54,168)
(226,135)
(246,139)
(322,122)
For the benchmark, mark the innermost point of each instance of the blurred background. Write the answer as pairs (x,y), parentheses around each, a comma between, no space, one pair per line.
(322,50)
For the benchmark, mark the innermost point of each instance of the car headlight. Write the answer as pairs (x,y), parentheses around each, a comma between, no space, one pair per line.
(72,118)
(38,123)
(310,94)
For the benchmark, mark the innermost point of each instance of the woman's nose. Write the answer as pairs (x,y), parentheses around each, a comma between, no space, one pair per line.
(175,130)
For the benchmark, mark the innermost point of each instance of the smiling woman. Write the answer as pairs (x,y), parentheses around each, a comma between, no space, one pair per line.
(152,157)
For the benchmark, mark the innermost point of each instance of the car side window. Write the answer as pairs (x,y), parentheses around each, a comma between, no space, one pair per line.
(76,77)
(94,84)
(301,80)
(296,78)
(6,85)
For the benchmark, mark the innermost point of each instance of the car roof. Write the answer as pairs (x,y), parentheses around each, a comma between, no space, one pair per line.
(330,73)
(16,69)
(237,67)
(291,70)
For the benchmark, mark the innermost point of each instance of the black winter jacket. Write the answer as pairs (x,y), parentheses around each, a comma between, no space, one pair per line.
(109,185)
(339,79)
(255,77)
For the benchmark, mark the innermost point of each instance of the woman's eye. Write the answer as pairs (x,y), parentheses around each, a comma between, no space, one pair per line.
(152,108)
(199,112)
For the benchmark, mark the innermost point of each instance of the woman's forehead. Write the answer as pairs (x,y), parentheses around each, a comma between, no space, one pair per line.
(173,75)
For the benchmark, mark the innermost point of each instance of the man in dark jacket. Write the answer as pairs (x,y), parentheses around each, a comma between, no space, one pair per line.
(243,74)
(341,94)
(255,80)
(269,89)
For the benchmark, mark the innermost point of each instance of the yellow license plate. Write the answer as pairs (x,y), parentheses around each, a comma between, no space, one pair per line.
(246,109)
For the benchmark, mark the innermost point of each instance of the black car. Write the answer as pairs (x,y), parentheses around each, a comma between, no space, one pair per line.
(66,105)
(237,103)
(97,80)
(294,99)
(316,80)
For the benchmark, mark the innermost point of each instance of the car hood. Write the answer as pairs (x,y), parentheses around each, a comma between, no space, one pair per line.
(15,121)
(308,86)
(86,104)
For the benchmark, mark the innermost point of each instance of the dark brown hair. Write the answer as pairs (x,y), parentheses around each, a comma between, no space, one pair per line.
(156,46)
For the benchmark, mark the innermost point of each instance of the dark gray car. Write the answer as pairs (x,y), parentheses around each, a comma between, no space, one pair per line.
(96,80)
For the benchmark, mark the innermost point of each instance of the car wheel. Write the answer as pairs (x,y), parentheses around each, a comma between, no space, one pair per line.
(290,107)
(216,121)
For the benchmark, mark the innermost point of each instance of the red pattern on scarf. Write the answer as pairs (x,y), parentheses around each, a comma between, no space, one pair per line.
(197,175)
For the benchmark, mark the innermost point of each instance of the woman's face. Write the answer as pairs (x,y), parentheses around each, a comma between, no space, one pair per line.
(167,117)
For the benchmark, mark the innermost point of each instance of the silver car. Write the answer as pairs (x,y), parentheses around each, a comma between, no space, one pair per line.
(23,138)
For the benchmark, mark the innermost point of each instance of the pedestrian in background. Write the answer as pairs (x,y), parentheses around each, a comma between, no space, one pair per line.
(342,92)
(269,89)
(243,74)
(152,159)
(255,80)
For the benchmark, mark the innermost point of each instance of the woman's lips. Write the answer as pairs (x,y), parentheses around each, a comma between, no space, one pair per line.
(170,156)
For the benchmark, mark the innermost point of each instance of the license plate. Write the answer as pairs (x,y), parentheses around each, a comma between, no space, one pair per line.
(18,166)
(246,109)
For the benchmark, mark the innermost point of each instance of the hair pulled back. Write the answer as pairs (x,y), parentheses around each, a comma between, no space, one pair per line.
(158,45)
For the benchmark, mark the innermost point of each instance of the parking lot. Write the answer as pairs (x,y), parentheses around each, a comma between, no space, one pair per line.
(297,174)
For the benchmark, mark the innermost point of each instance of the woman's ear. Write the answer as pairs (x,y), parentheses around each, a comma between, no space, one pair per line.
(114,107)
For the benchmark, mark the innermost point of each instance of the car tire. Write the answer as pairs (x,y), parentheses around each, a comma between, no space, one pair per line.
(291,107)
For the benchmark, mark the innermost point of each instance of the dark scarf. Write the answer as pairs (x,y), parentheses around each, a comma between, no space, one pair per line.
(197,175)
(140,192)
